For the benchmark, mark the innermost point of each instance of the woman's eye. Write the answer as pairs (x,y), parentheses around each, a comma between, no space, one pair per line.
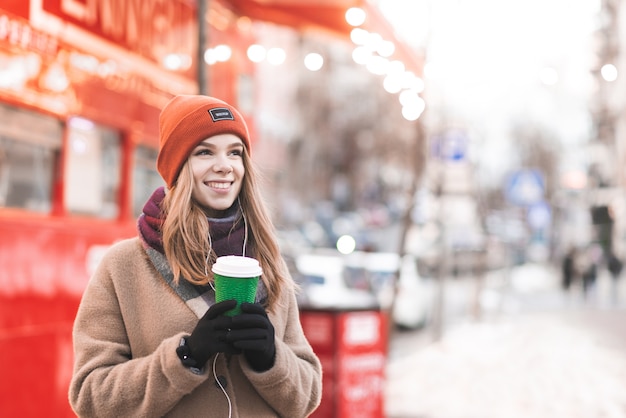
(237,152)
(202,151)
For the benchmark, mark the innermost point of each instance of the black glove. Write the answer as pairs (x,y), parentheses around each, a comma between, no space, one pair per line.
(253,333)
(208,337)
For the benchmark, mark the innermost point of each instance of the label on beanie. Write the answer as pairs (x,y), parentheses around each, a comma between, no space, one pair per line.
(221,113)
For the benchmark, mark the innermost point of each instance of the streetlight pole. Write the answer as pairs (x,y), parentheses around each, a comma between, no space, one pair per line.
(443,266)
(418,163)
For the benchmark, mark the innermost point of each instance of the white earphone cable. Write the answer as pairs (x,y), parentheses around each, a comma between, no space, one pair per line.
(245,228)
(230,407)
(206,272)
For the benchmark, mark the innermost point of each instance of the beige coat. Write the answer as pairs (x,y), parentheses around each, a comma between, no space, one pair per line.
(127,328)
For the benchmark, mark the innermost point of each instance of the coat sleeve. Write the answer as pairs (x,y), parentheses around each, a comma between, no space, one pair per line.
(293,386)
(107,379)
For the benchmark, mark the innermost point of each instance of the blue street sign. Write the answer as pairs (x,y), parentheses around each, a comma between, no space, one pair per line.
(539,215)
(451,146)
(525,187)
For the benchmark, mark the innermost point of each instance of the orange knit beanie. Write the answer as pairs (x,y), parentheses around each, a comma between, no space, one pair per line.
(188,119)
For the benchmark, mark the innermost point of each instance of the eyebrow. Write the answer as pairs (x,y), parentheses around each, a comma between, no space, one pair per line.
(231,145)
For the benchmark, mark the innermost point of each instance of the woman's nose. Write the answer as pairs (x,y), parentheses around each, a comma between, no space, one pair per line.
(222,164)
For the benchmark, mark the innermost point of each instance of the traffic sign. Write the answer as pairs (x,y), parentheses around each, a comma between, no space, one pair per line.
(525,187)
(539,215)
(451,146)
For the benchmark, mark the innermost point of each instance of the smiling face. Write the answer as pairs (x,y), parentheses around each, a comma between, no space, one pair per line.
(218,171)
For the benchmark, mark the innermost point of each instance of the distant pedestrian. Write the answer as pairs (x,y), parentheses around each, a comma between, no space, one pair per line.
(615,266)
(589,272)
(568,269)
(589,278)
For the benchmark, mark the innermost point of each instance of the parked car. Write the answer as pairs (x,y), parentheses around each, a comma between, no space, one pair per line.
(377,271)
(374,271)
(323,282)
(413,304)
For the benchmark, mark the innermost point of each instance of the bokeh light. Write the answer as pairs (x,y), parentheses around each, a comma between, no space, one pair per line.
(346,244)
(276,56)
(313,61)
(256,53)
(609,72)
(355,16)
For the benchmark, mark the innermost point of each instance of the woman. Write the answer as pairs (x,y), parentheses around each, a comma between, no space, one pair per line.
(149,339)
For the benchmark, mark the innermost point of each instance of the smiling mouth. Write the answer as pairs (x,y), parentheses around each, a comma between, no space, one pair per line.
(219,185)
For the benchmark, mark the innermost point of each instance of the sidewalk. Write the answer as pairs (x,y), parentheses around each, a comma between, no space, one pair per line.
(535,354)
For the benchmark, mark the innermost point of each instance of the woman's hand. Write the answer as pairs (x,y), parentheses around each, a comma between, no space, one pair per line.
(253,333)
(209,336)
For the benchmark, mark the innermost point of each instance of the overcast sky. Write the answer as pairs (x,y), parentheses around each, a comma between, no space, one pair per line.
(485,61)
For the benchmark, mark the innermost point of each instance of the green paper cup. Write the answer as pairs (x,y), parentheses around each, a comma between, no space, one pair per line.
(236,278)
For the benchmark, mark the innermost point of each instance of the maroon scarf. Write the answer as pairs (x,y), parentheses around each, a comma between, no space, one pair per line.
(227,234)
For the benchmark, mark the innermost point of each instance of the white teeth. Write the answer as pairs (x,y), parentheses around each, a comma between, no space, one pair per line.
(219,185)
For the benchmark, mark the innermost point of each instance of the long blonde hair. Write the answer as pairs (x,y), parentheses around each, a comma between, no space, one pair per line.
(186,234)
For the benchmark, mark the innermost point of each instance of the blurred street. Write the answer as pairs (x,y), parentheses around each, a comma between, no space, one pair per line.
(534,352)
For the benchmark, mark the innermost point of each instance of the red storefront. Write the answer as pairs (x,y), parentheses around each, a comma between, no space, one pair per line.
(81,87)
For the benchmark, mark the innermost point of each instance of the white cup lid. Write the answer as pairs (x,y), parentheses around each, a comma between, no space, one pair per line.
(237,266)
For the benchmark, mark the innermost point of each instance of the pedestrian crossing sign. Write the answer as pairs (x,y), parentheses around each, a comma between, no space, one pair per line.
(525,187)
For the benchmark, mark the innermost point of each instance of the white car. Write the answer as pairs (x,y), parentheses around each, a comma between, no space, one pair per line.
(322,278)
(412,307)
(413,300)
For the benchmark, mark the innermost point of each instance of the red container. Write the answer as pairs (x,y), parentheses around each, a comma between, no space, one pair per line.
(352,347)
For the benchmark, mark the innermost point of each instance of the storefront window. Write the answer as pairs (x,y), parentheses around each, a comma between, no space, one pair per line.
(145,177)
(92,175)
(30,145)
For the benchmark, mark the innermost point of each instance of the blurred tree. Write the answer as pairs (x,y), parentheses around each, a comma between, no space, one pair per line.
(538,148)
(354,148)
